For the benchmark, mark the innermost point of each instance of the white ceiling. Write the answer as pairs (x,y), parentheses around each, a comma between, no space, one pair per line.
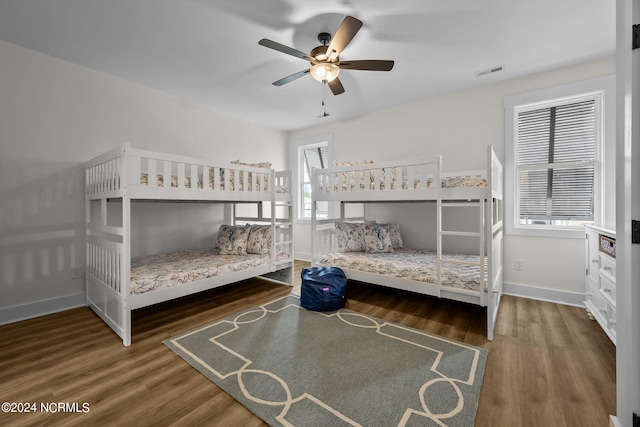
(207,50)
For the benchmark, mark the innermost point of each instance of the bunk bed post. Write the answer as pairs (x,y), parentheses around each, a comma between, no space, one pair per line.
(273,224)
(437,179)
(483,239)
(488,283)
(230,213)
(125,264)
(494,238)
(314,204)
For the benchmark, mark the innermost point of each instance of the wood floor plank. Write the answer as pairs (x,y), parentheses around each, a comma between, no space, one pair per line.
(548,365)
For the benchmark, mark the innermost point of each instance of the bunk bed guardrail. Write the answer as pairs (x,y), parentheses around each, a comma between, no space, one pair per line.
(153,175)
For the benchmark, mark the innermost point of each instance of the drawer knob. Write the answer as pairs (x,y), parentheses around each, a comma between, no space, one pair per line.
(606,267)
(607,290)
(594,260)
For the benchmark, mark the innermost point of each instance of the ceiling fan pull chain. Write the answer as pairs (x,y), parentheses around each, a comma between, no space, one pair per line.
(324,98)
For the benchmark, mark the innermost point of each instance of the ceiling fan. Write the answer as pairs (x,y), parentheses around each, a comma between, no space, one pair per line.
(325,60)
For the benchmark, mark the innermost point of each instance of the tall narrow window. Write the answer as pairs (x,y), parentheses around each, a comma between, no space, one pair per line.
(556,162)
(311,156)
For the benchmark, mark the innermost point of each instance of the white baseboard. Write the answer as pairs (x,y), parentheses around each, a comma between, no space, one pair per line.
(41,308)
(544,294)
(302,256)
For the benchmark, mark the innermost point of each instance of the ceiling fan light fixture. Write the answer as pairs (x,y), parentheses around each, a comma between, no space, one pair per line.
(325,71)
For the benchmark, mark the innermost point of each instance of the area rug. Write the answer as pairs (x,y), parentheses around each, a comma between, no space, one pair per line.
(294,367)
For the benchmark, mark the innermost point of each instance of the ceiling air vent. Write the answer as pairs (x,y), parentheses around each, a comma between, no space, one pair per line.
(490,70)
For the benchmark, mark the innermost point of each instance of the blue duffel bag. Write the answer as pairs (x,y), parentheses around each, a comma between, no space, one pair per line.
(323,288)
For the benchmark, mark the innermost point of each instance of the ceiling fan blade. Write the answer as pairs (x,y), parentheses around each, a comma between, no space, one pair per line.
(368,64)
(292,77)
(336,86)
(343,36)
(286,49)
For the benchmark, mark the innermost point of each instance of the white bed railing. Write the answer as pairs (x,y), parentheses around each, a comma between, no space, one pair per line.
(384,178)
(152,175)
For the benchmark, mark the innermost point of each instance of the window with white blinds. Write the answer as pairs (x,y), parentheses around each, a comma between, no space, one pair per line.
(558,173)
(556,163)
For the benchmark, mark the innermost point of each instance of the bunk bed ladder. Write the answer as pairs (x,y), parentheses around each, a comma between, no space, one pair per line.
(280,219)
(479,235)
(282,232)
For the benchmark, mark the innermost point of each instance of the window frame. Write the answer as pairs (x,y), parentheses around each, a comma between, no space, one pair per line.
(603,90)
(300,147)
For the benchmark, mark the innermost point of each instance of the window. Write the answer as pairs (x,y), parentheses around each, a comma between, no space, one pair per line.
(313,153)
(556,162)
(554,159)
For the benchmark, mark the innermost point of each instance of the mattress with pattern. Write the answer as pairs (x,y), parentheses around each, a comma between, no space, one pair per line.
(447,182)
(149,273)
(412,264)
(144,181)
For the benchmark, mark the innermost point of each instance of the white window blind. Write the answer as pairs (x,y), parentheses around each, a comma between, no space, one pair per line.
(316,157)
(556,163)
(311,156)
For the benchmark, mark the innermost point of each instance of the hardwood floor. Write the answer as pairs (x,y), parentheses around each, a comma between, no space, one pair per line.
(549,365)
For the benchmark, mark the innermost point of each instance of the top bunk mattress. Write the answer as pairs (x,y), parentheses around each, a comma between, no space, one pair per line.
(159,182)
(153,272)
(370,177)
(462,181)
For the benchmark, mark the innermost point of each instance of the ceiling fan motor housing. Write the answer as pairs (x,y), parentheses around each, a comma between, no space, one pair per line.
(319,52)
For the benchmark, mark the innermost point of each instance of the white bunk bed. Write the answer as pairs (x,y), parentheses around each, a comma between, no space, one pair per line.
(475,279)
(125,175)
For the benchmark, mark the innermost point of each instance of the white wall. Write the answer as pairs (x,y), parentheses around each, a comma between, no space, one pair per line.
(54,116)
(459,126)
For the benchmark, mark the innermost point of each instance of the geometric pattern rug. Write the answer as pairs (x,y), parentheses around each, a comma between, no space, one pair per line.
(294,367)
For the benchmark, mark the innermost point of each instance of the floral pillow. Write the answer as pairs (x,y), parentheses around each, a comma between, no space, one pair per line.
(350,236)
(232,239)
(259,240)
(376,239)
(393,230)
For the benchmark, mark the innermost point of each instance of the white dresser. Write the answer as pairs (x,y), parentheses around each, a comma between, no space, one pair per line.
(600,279)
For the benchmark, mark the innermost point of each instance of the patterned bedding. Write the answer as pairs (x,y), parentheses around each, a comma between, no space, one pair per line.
(144,181)
(154,272)
(447,182)
(411,264)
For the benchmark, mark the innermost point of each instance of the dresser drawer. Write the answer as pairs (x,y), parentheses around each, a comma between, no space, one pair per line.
(592,255)
(597,298)
(608,266)
(612,322)
(608,287)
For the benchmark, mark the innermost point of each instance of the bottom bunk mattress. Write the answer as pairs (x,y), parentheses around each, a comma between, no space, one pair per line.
(153,272)
(412,264)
